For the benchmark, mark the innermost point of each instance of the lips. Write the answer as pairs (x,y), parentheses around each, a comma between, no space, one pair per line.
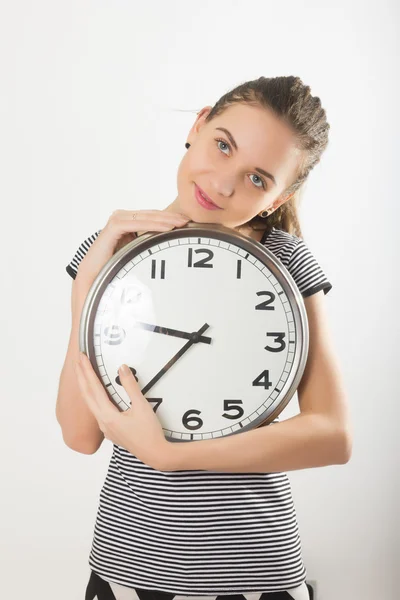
(202,193)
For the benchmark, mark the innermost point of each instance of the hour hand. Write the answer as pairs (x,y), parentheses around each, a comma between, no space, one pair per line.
(173,332)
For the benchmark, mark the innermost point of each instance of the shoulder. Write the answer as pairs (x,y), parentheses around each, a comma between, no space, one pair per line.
(296,255)
(282,244)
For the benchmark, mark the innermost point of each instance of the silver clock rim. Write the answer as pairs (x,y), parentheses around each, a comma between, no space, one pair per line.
(143,242)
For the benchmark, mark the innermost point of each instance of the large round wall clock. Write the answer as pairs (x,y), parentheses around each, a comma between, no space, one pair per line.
(211,324)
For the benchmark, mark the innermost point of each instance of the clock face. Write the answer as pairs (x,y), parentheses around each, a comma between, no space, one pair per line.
(211,332)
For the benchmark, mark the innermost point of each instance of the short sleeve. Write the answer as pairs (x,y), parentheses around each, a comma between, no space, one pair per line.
(306,271)
(72,267)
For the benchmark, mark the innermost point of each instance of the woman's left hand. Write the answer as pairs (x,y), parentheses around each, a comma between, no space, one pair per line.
(137,429)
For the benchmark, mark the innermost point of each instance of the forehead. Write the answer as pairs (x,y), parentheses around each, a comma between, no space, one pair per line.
(261,136)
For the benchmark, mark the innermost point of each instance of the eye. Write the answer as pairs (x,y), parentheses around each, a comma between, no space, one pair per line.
(260,179)
(263,184)
(222,142)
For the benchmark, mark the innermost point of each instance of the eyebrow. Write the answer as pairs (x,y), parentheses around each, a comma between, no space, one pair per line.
(234,144)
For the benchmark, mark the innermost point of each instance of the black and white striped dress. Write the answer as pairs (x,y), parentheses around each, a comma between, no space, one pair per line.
(200,533)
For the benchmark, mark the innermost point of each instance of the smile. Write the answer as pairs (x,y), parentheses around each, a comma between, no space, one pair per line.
(204,200)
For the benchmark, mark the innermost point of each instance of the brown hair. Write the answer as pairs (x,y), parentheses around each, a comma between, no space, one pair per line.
(292,102)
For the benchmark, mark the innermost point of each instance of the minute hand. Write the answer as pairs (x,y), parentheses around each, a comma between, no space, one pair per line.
(194,338)
(174,332)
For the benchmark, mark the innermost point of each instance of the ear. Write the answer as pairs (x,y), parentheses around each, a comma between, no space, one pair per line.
(281,200)
(199,122)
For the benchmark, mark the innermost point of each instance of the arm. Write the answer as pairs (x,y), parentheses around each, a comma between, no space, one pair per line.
(319,436)
(80,429)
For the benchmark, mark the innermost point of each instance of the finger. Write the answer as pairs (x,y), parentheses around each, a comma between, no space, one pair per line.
(134,226)
(146,219)
(155,225)
(156,215)
(129,382)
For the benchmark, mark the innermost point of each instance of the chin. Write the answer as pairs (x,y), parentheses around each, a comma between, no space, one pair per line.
(190,207)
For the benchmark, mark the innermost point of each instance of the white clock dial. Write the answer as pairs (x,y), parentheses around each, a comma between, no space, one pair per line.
(229,377)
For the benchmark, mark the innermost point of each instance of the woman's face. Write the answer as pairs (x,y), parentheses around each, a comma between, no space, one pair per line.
(230,176)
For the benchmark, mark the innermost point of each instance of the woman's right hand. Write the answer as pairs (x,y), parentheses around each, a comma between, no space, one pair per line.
(119,231)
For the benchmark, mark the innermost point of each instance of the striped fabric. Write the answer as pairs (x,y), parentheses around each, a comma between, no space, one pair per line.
(72,267)
(296,256)
(202,532)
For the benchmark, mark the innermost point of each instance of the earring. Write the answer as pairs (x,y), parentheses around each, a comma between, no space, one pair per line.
(265,213)
(187,145)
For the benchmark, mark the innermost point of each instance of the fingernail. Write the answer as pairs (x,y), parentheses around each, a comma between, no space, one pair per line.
(123,370)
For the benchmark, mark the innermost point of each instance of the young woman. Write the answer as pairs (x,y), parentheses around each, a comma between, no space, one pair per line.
(215,517)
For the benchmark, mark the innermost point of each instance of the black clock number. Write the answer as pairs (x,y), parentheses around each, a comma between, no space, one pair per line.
(197,423)
(279,340)
(154,269)
(157,402)
(203,262)
(240,411)
(188,417)
(265,305)
(263,379)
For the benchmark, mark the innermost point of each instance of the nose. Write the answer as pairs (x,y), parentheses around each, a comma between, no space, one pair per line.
(223,184)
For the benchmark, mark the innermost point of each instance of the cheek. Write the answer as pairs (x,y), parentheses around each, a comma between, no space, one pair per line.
(200,161)
(182,174)
(249,204)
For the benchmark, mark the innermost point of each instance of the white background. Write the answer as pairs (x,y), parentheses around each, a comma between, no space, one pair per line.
(91,94)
